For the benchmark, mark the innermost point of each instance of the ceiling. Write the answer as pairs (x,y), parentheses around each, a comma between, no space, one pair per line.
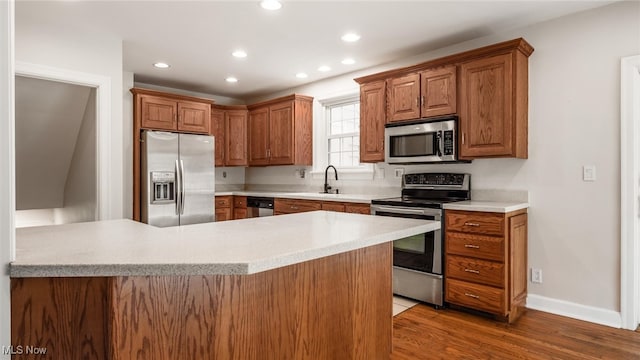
(197,38)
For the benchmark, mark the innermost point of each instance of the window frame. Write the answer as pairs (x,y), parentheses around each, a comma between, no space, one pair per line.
(321,150)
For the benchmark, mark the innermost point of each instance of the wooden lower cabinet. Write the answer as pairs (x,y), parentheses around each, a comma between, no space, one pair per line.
(357,208)
(335,307)
(290,206)
(239,207)
(486,261)
(224,208)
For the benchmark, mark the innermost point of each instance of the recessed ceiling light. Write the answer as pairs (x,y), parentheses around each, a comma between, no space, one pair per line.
(348,61)
(161,65)
(270,4)
(231,79)
(301,75)
(239,54)
(324,68)
(350,37)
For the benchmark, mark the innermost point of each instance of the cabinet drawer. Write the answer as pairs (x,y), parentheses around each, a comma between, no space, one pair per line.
(240,202)
(480,297)
(288,206)
(476,270)
(333,206)
(475,222)
(477,246)
(358,208)
(223,201)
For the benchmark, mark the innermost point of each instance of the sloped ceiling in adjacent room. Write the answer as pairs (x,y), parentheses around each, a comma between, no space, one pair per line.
(48,119)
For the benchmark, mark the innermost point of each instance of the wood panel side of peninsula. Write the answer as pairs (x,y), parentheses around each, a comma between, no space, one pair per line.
(336,307)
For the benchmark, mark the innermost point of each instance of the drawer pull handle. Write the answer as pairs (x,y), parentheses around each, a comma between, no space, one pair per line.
(472,296)
(472,271)
(471,224)
(469,246)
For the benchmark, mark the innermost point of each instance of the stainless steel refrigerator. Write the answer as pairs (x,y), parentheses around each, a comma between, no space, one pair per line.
(177,179)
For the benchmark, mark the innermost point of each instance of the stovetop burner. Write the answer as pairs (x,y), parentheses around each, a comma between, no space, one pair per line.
(430,190)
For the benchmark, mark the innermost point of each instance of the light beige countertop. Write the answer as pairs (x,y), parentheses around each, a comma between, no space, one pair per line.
(487,206)
(128,248)
(356,198)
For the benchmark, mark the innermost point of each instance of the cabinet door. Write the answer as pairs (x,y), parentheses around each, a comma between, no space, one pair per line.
(438,91)
(281,133)
(217,127)
(223,214)
(239,214)
(372,115)
(158,113)
(404,98)
(236,138)
(259,136)
(193,116)
(332,206)
(486,119)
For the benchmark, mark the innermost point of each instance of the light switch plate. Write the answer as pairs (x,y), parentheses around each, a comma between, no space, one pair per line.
(398,172)
(589,173)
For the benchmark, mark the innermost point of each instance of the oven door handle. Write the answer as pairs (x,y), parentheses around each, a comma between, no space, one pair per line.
(396,210)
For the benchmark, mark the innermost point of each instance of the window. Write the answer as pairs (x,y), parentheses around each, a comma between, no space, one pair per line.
(343,134)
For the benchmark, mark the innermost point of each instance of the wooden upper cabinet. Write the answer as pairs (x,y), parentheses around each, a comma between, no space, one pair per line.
(438,93)
(236,138)
(404,98)
(218,131)
(487,87)
(493,119)
(157,110)
(158,113)
(194,116)
(372,120)
(259,136)
(280,131)
(427,93)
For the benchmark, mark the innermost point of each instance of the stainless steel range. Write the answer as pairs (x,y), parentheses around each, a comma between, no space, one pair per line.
(418,260)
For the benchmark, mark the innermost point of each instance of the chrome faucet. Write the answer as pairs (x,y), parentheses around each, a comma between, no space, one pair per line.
(326,181)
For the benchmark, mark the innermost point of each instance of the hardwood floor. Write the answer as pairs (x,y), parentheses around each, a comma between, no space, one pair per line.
(422,332)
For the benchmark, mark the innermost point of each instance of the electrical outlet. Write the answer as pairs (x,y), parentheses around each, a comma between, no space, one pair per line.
(302,173)
(536,276)
(589,173)
(398,172)
(224,174)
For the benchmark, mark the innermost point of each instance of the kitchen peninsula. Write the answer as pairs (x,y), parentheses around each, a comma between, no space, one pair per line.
(309,285)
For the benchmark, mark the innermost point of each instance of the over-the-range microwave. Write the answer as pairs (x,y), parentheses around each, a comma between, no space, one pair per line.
(422,141)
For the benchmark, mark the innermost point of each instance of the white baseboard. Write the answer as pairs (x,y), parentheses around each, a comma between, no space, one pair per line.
(575,311)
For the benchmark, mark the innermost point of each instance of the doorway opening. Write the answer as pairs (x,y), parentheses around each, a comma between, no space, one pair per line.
(76,174)
(55,142)
(630,184)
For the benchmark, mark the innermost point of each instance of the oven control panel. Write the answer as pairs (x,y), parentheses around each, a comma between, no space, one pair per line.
(435,179)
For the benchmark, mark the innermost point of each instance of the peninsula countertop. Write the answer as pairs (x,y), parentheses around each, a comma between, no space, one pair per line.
(128,248)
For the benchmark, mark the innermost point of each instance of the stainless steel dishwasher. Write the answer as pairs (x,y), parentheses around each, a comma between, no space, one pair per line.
(259,206)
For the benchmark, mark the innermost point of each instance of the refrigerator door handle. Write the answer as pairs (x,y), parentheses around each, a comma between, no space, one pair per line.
(181,187)
(178,189)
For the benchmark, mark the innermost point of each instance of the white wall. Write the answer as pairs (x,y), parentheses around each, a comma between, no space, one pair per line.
(127,139)
(7,175)
(80,188)
(574,120)
(40,40)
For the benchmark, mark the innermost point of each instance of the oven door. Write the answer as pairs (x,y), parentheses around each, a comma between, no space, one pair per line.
(422,252)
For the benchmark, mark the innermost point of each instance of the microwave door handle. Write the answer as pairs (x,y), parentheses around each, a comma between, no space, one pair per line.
(439,143)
